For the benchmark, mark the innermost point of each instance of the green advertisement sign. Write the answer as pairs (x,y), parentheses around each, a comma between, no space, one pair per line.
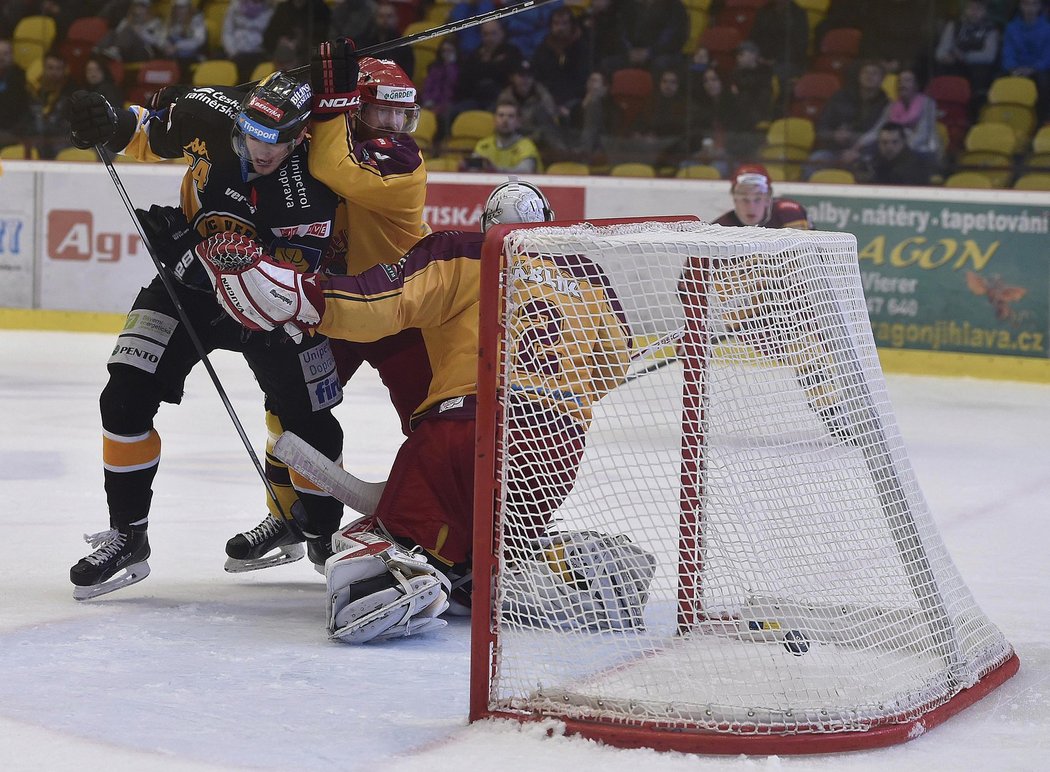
(949,276)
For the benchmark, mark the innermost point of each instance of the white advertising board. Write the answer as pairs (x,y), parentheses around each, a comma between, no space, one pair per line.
(17,236)
(91,256)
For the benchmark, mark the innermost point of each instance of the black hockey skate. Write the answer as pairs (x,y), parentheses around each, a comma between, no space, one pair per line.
(319,549)
(115,551)
(251,550)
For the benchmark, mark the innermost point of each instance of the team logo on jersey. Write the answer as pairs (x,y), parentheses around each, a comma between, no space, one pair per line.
(266,108)
(218,222)
(317,229)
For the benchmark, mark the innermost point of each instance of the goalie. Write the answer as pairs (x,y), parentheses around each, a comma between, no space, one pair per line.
(394,576)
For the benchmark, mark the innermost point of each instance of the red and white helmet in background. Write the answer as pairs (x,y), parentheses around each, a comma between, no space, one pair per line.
(388,97)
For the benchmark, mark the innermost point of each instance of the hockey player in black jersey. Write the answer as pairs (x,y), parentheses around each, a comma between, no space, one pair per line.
(247,172)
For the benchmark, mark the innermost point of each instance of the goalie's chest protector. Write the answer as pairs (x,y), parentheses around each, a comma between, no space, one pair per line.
(288,211)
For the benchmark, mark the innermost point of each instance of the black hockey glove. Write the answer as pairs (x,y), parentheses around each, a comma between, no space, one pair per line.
(333,78)
(173,240)
(92,120)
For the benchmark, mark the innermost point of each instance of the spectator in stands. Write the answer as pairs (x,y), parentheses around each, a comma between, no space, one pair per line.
(654,32)
(185,37)
(752,83)
(894,163)
(915,112)
(596,115)
(507,150)
(720,134)
(14,96)
(1026,50)
(537,112)
(386,26)
(351,18)
(48,126)
(969,47)
(98,77)
(439,87)
(561,63)
(664,120)
(469,40)
(137,37)
(898,33)
(781,32)
(242,34)
(486,72)
(527,30)
(600,27)
(300,24)
(851,112)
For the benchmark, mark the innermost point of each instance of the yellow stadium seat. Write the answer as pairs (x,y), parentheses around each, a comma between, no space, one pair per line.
(699,172)
(989,150)
(1012,89)
(20,151)
(214,16)
(1020,118)
(467,128)
(632,170)
(443,164)
(783,172)
(1033,181)
(32,37)
(262,69)
(215,72)
(425,129)
(968,180)
(796,132)
(569,168)
(833,176)
(889,85)
(76,154)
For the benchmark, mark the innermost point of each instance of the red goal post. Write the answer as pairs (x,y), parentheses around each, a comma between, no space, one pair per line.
(800,599)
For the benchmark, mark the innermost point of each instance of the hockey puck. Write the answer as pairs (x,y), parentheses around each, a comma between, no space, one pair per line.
(796,642)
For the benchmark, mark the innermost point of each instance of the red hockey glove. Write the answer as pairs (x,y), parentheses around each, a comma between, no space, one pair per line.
(333,78)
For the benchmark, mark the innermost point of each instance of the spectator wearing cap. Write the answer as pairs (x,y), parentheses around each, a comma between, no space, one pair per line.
(753,204)
(537,111)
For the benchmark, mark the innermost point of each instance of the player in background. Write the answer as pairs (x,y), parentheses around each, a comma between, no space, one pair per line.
(361,148)
(393,575)
(247,173)
(753,202)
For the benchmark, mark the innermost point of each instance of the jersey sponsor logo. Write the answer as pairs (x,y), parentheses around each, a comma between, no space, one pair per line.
(317,362)
(451,404)
(136,352)
(318,229)
(240,198)
(71,235)
(547,277)
(218,222)
(292,178)
(266,108)
(257,130)
(301,95)
(326,392)
(396,94)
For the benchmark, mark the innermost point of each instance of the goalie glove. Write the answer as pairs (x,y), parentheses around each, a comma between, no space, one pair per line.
(377,591)
(257,292)
(333,79)
(580,580)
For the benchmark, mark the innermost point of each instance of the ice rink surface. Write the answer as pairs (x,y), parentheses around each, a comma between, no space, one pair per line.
(197,669)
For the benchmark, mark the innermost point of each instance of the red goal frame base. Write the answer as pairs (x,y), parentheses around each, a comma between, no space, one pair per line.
(707,742)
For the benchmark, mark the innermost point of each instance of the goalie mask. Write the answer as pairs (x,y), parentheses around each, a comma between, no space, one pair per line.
(388,98)
(274,114)
(515,201)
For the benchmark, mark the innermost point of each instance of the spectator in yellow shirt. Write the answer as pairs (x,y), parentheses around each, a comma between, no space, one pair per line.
(507,150)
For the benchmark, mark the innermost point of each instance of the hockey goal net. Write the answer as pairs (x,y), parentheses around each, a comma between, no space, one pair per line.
(798,598)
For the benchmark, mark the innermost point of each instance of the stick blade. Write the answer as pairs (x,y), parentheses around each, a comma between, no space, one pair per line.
(304,458)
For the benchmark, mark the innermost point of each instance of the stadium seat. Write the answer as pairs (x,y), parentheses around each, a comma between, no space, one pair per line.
(889,85)
(569,168)
(740,15)
(833,176)
(1010,89)
(778,173)
(989,150)
(797,132)
(952,95)
(1033,181)
(32,37)
(214,16)
(838,49)
(80,41)
(632,170)
(152,76)
(467,128)
(76,154)
(811,92)
(443,164)
(20,151)
(215,72)
(425,129)
(425,52)
(629,88)
(262,69)
(1039,158)
(699,172)
(721,43)
(968,180)
(815,10)
(1020,118)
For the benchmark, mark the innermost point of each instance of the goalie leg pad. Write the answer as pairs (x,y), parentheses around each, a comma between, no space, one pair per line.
(377,591)
(582,580)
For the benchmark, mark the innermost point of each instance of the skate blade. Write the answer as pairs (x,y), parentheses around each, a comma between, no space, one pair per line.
(132,574)
(286,554)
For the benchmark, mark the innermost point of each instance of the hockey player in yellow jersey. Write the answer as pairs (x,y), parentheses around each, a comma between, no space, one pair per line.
(428,501)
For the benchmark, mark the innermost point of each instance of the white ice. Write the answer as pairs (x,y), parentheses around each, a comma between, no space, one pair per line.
(196,669)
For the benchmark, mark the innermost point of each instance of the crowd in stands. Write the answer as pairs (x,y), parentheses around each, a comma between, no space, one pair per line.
(881,91)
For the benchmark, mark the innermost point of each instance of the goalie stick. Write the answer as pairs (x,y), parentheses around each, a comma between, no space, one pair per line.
(327,475)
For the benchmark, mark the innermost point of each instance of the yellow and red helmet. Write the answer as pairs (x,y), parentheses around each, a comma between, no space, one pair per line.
(388,97)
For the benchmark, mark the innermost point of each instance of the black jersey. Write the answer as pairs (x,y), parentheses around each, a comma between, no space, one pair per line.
(288,211)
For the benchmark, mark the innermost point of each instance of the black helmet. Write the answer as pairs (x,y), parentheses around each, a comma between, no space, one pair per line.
(274,112)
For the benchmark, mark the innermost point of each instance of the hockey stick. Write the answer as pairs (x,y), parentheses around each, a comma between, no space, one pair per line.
(327,475)
(428,34)
(162,271)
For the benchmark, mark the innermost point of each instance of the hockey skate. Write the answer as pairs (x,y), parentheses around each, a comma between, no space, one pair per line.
(255,549)
(115,551)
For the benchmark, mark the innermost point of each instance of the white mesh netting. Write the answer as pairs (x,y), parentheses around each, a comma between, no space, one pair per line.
(742,437)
